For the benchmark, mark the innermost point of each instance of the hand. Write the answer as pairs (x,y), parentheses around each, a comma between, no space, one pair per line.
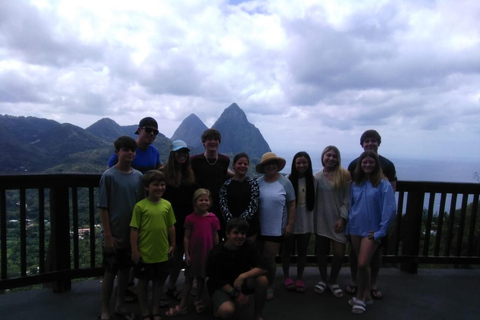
(340,225)
(136,256)
(242,299)
(171,250)
(238,283)
(371,235)
(109,243)
(288,229)
(188,261)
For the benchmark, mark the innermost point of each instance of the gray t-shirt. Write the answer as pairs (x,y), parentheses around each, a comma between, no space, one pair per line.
(119,192)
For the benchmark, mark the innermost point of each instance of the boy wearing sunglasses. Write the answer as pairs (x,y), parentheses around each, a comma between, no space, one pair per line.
(147,155)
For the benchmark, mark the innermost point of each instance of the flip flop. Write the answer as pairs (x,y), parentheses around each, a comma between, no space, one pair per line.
(300,286)
(358,306)
(270,293)
(335,289)
(376,294)
(199,306)
(351,289)
(320,287)
(177,311)
(289,284)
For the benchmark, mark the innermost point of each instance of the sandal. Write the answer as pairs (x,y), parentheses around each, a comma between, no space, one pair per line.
(174,294)
(289,284)
(130,296)
(335,289)
(351,289)
(320,287)
(177,311)
(126,315)
(163,303)
(358,306)
(199,306)
(300,286)
(376,294)
(270,293)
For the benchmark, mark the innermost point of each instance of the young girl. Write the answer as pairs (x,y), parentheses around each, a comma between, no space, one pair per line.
(200,236)
(239,196)
(302,180)
(331,214)
(371,212)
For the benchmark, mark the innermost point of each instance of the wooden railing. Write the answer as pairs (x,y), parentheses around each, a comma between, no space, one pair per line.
(421,233)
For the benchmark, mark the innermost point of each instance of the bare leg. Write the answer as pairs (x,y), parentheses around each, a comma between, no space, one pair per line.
(176,267)
(270,251)
(106,293)
(322,244)
(142,292)
(376,263)
(338,253)
(187,286)
(352,259)
(200,286)
(157,289)
(365,248)
(302,246)
(122,284)
(260,285)
(226,310)
(288,243)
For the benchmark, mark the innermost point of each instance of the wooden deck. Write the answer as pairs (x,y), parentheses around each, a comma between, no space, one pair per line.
(431,294)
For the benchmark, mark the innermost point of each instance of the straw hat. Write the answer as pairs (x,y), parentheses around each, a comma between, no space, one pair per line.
(267,157)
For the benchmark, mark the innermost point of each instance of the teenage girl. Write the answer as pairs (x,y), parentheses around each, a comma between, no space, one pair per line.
(371,212)
(201,234)
(331,214)
(179,192)
(301,177)
(239,196)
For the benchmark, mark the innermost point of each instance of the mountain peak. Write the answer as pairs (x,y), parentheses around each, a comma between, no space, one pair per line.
(190,131)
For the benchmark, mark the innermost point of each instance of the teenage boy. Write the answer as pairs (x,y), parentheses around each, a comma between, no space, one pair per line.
(147,156)
(370,141)
(211,170)
(235,270)
(120,189)
(152,239)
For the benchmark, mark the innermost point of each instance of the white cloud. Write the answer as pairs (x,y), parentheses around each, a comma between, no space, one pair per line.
(307,73)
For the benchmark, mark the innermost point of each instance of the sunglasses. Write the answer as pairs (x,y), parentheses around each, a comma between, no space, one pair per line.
(150,130)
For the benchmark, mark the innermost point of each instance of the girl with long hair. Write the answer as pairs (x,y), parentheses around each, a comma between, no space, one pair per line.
(301,177)
(331,214)
(372,210)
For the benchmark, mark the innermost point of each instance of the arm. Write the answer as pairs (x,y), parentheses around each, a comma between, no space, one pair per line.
(134,244)
(171,238)
(227,215)
(254,199)
(388,207)
(186,245)
(107,232)
(291,216)
(215,238)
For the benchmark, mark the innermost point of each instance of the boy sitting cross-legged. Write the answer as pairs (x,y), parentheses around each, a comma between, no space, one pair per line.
(152,239)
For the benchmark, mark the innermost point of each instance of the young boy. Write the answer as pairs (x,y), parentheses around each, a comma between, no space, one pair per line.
(152,239)
(235,270)
(120,190)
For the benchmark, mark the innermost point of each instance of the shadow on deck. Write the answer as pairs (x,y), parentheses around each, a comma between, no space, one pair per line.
(430,294)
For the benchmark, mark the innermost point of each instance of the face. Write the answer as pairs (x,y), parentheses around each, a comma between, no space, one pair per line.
(367,165)
(236,238)
(301,164)
(202,203)
(211,144)
(125,154)
(147,134)
(270,168)
(156,189)
(330,159)
(181,156)
(370,144)
(241,166)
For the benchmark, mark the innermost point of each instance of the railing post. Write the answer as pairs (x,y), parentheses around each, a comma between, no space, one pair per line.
(412,229)
(58,257)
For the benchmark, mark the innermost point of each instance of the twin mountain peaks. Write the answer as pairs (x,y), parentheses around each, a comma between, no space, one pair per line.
(32,145)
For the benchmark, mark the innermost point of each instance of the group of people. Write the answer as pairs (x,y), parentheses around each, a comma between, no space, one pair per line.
(155,216)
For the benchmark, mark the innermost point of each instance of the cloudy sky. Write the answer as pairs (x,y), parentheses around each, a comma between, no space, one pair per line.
(306,73)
